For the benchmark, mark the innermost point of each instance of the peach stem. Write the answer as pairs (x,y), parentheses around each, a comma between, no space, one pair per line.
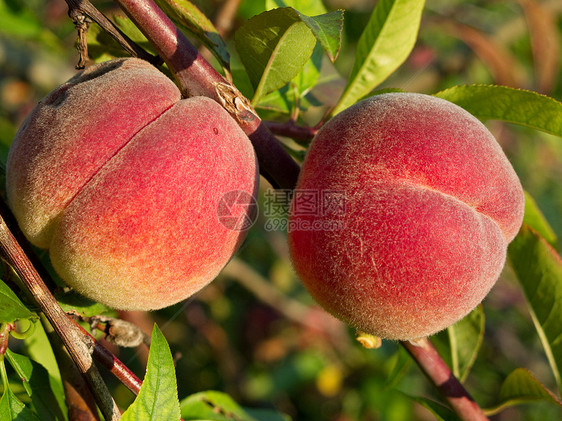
(433,366)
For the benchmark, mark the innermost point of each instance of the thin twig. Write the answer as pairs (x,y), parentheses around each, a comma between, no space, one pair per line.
(82,24)
(290,129)
(79,348)
(113,364)
(433,366)
(86,8)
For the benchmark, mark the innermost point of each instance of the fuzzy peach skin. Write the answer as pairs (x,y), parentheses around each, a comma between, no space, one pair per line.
(431,203)
(122,180)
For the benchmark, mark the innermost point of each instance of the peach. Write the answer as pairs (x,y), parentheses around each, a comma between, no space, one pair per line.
(402,214)
(124,183)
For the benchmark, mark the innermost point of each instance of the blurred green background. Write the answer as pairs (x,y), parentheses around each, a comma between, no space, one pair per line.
(254,332)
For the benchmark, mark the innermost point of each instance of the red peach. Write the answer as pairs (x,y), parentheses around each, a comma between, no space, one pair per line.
(123,181)
(431,203)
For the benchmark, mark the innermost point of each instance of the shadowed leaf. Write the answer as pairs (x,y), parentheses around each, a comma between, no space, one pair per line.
(539,270)
(521,387)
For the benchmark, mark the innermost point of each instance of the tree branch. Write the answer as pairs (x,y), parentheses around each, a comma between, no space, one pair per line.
(292,130)
(113,364)
(78,396)
(79,348)
(433,366)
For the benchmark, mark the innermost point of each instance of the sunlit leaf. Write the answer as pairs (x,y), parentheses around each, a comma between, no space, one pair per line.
(465,338)
(274,46)
(539,270)
(521,387)
(306,7)
(326,27)
(516,106)
(11,308)
(39,349)
(158,396)
(285,99)
(385,44)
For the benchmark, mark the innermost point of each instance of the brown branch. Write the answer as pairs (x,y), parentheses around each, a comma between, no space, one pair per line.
(78,396)
(82,24)
(79,348)
(113,364)
(433,366)
(195,76)
(84,7)
(291,129)
(5,330)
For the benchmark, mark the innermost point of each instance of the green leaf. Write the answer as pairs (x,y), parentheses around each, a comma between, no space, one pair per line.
(11,408)
(285,99)
(539,270)
(516,106)
(536,220)
(218,406)
(401,366)
(273,46)
(213,406)
(521,387)
(326,27)
(158,396)
(306,7)
(386,42)
(35,379)
(11,308)
(307,78)
(39,349)
(465,338)
(186,15)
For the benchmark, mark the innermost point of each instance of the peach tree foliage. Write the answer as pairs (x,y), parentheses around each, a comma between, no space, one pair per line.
(278,62)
